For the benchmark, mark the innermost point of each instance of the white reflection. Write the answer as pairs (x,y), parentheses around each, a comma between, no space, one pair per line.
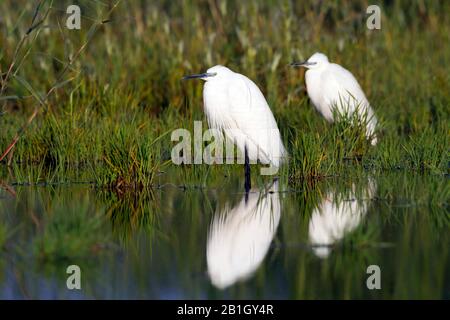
(239,238)
(337,215)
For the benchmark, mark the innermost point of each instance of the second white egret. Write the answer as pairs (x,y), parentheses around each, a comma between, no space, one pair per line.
(333,88)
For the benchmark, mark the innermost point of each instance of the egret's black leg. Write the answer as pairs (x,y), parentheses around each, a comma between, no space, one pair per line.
(248,183)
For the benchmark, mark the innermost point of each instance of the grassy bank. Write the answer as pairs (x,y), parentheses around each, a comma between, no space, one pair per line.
(124,96)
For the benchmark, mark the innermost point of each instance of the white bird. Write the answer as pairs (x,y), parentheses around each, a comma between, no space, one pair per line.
(337,216)
(235,105)
(333,88)
(239,239)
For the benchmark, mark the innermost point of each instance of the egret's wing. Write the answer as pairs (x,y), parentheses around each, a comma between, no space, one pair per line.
(341,87)
(254,119)
(343,90)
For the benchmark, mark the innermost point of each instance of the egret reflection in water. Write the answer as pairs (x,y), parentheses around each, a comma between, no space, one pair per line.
(338,214)
(239,237)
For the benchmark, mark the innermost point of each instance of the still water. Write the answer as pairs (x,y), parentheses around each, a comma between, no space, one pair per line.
(278,242)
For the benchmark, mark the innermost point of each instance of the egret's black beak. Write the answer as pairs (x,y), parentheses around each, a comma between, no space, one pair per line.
(199,76)
(302,64)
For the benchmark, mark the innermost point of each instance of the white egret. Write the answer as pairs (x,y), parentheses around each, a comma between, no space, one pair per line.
(337,216)
(239,238)
(333,88)
(236,106)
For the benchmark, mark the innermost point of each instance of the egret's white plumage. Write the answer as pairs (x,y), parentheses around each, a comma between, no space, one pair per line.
(235,105)
(336,216)
(238,239)
(331,86)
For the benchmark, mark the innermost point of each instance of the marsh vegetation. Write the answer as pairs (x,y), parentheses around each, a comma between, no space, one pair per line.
(90,179)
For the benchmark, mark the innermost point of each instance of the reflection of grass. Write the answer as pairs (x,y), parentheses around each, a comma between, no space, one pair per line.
(72,231)
(163,235)
(363,236)
(405,232)
(3,235)
(131,213)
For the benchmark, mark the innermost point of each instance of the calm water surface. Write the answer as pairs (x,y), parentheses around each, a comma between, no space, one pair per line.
(309,242)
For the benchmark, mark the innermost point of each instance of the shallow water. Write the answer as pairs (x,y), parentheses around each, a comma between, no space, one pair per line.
(309,242)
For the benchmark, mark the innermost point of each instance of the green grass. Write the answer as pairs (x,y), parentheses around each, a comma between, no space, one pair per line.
(125,92)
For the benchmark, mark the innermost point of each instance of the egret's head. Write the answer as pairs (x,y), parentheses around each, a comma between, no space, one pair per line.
(317,60)
(215,72)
